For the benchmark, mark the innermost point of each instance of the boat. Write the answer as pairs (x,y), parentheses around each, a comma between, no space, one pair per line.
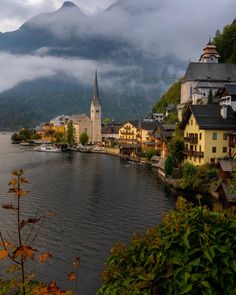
(48,148)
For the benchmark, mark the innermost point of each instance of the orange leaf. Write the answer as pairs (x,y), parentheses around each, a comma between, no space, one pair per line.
(71,276)
(6,244)
(3,254)
(12,182)
(24,180)
(44,257)
(52,287)
(24,252)
(50,214)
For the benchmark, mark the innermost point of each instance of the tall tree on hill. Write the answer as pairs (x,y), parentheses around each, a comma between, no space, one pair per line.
(210,97)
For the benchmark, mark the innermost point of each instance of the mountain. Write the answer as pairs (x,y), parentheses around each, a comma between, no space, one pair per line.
(130,76)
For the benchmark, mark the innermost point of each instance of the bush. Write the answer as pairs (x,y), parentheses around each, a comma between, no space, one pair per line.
(169,165)
(150,153)
(191,252)
(189,170)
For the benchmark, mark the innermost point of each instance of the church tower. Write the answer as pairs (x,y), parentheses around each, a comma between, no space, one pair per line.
(96,113)
(210,54)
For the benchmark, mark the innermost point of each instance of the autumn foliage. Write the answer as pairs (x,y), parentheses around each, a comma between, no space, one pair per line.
(20,252)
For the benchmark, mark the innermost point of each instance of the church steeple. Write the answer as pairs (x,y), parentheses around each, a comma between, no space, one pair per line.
(96,113)
(96,99)
(210,53)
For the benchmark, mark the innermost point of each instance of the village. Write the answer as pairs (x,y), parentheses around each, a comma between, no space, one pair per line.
(195,153)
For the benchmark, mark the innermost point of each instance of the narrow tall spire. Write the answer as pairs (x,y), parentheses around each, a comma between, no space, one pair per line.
(96,99)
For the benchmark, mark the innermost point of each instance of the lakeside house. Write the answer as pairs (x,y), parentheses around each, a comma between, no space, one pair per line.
(206,129)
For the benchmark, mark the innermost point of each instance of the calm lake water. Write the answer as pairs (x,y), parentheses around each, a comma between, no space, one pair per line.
(98,200)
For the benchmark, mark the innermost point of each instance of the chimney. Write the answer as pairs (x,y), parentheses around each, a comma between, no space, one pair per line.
(223,111)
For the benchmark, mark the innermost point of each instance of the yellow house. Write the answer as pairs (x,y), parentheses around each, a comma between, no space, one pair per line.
(206,129)
(129,132)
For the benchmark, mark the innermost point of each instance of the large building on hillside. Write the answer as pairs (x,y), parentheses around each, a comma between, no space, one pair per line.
(205,76)
(90,125)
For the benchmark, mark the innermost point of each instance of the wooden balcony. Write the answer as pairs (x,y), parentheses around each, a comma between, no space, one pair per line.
(127,132)
(193,153)
(191,139)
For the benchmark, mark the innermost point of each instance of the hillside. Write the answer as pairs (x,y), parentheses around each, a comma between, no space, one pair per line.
(225,42)
(172,96)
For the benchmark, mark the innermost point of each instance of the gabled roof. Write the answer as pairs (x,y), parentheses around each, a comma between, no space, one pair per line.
(134,123)
(79,117)
(198,71)
(209,117)
(227,165)
(150,126)
(231,197)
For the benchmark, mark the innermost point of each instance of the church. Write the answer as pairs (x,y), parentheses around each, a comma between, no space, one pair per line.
(90,125)
(204,76)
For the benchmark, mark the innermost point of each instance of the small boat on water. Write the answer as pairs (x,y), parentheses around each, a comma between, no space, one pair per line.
(27,143)
(48,148)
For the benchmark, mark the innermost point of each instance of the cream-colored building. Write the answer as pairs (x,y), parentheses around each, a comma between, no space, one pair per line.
(129,132)
(90,125)
(206,129)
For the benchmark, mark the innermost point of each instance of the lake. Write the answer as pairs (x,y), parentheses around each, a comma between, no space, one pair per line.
(98,200)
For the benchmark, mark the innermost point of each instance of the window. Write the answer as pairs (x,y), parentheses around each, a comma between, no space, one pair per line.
(224,149)
(214,149)
(214,136)
(200,136)
(191,122)
(212,160)
(97,111)
(225,137)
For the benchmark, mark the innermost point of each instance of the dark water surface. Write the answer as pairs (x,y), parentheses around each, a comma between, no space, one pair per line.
(98,200)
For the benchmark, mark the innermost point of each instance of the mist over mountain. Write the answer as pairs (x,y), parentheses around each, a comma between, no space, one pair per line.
(48,64)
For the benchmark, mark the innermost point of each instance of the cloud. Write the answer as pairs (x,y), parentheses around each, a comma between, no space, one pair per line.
(157,28)
(22,68)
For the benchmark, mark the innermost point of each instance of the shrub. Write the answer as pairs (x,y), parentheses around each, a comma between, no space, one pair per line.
(189,170)
(169,165)
(150,153)
(83,138)
(191,252)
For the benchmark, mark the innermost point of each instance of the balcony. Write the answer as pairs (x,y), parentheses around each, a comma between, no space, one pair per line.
(191,139)
(127,132)
(193,153)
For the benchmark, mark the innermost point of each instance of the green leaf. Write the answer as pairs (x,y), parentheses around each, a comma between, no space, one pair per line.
(186,289)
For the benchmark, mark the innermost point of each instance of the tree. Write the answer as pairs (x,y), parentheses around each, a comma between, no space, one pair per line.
(176,149)
(70,133)
(83,138)
(169,165)
(59,136)
(150,153)
(210,97)
(106,121)
(191,252)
